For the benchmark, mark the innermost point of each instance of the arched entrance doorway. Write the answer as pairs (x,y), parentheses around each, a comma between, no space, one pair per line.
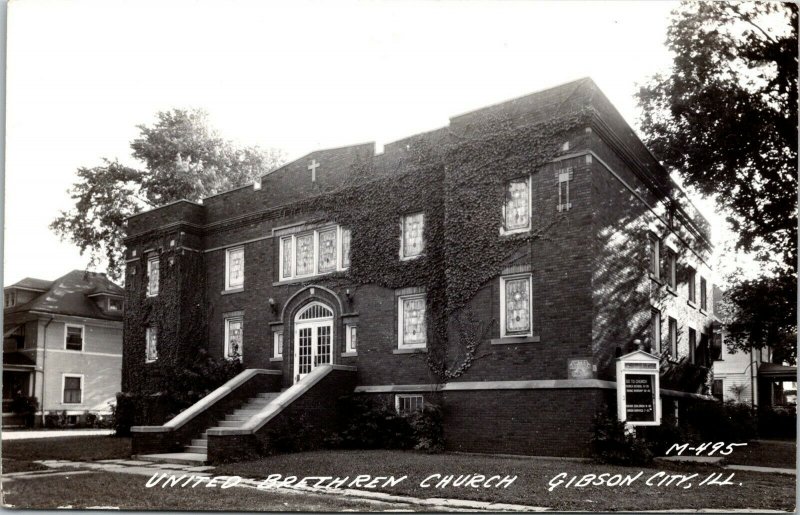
(313,338)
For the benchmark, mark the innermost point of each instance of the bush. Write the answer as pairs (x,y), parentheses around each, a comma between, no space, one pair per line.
(777,421)
(55,419)
(722,422)
(368,423)
(291,435)
(25,406)
(611,444)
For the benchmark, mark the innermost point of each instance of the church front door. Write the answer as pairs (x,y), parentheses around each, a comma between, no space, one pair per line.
(313,339)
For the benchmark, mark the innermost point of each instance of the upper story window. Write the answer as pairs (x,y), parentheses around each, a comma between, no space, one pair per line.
(412,329)
(152,276)
(716,347)
(115,304)
(234,268)
(692,345)
(515,306)
(703,297)
(655,255)
(73,337)
(692,284)
(10,298)
(673,337)
(151,345)
(315,252)
(233,337)
(670,268)
(517,208)
(655,330)
(412,237)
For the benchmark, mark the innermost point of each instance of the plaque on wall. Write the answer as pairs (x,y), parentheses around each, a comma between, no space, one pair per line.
(581,368)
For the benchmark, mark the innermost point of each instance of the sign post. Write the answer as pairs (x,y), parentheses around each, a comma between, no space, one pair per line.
(638,389)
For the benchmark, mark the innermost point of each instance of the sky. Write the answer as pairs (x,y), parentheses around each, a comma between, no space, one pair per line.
(297,75)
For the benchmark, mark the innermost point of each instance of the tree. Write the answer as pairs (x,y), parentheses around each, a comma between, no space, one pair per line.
(725,117)
(183,159)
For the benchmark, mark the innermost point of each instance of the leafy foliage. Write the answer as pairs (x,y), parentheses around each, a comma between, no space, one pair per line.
(725,118)
(184,159)
(610,443)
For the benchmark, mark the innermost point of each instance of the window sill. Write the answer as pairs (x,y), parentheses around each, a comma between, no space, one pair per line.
(306,278)
(411,258)
(656,279)
(511,340)
(692,303)
(280,358)
(672,291)
(232,290)
(419,350)
(349,354)
(504,232)
(703,312)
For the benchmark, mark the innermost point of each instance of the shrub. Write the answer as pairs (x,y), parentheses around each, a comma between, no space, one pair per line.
(428,429)
(291,435)
(722,422)
(55,419)
(611,444)
(25,406)
(777,421)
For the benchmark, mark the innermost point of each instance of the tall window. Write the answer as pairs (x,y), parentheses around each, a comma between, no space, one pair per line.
(233,337)
(692,284)
(655,255)
(351,337)
(406,404)
(517,209)
(716,346)
(152,276)
(703,298)
(412,329)
(314,252)
(515,305)
(716,389)
(73,389)
(673,337)
(10,298)
(277,344)
(670,272)
(564,177)
(151,344)
(234,268)
(412,239)
(655,330)
(692,344)
(73,337)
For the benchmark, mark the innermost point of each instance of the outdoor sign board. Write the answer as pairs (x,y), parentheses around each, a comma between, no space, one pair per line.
(638,389)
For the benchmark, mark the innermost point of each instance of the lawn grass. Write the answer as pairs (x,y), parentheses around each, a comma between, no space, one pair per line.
(779,454)
(757,490)
(128,492)
(77,448)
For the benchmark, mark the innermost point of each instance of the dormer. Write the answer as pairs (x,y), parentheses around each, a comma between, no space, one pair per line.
(108,302)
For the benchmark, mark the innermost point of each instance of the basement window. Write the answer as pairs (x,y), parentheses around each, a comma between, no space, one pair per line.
(407,404)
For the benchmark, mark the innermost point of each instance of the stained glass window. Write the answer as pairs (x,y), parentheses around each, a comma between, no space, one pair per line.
(517,205)
(345,248)
(286,254)
(305,254)
(151,344)
(518,306)
(412,314)
(235,268)
(233,338)
(327,250)
(413,241)
(152,276)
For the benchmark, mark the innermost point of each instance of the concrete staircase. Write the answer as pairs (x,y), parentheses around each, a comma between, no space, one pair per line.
(197,452)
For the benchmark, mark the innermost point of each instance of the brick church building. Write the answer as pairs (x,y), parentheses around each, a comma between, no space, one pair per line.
(496,267)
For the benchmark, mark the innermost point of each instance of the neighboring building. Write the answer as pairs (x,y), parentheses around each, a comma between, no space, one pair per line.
(749,377)
(62,344)
(347,257)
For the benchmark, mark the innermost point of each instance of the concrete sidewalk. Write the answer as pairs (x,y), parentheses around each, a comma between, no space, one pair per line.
(53,433)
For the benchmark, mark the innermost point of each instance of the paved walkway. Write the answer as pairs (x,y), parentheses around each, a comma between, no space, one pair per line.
(771,470)
(148,469)
(53,433)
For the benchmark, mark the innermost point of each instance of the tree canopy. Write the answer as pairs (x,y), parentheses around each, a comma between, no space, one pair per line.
(183,158)
(725,118)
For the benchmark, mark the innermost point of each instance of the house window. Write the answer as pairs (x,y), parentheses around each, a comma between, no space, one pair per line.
(234,268)
(703,298)
(670,274)
(73,389)
(407,404)
(673,337)
(716,346)
(655,330)
(233,337)
(716,388)
(412,329)
(692,285)
(412,241)
(655,255)
(277,344)
(692,344)
(564,177)
(314,253)
(10,298)
(115,304)
(152,276)
(515,305)
(351,337)
(151,344)
(73,337)
(517,209)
